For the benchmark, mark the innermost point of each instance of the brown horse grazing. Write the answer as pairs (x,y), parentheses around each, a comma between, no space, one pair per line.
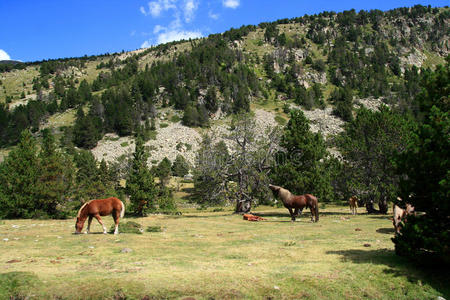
(100,207)
(353,202)
(297,203)
(401,215)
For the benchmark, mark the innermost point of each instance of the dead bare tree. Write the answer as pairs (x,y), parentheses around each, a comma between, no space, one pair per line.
(238,173)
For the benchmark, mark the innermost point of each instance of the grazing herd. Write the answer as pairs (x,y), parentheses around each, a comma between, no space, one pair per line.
(294,203)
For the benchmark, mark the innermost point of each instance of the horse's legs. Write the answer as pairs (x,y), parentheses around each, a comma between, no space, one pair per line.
(89,224)
(101,223)
(292,214)
(311,208)
(296,212)
(116,217)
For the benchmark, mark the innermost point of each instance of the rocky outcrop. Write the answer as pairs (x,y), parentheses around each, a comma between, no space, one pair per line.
(172,139)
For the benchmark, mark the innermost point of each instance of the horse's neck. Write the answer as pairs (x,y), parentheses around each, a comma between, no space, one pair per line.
(285,195)
(82,213)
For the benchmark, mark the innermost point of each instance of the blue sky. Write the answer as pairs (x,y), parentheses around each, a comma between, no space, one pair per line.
(33,30)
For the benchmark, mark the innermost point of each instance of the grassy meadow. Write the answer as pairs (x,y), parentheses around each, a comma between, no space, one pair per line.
(206,254)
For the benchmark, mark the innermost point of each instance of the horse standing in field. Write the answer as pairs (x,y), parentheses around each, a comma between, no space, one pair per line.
(401,215)
(353,202)
(100,207)
(297,202)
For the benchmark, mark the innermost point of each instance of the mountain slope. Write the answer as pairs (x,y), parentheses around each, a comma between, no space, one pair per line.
(328,62)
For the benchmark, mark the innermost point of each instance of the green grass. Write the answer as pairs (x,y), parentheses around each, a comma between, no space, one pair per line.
(205,254)
(280,120)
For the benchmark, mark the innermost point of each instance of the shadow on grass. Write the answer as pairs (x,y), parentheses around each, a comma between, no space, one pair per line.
(399,267)
(386,230)
(378,217)
(208,216)
(306,213)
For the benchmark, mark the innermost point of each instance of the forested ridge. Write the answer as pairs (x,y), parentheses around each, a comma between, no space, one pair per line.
(330,60)
(318,60)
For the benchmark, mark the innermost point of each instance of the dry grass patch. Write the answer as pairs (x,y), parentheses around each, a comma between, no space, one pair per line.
(219,255)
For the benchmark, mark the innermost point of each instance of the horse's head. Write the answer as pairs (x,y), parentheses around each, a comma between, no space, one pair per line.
(275,189)
(79,225)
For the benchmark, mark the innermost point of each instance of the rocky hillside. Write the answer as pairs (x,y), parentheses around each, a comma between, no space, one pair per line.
(327,65)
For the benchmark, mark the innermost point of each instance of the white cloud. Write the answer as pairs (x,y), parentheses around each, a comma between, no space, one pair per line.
(4,55)
(158,28)
(155,8)
(174,31)
(231,3)
(145,44)
(213,15)
(190,6)
(176,35)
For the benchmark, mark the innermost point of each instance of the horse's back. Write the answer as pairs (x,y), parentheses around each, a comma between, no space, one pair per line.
(105,206)
(311,198)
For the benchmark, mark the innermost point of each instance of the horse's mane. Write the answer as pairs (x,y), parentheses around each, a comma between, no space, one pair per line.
(81,208)
(284,193)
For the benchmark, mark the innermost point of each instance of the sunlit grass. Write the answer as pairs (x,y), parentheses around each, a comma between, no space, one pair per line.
(215,254)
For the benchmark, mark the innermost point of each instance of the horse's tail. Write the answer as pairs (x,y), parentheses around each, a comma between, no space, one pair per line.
(122,211)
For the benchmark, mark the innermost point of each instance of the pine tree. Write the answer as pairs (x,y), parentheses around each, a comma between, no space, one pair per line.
(86,132)
(88,182)
(141,185)
(180,166)
(425,182)
(55,177)
(368,145)
(18,177)
(164,171)
(302,167)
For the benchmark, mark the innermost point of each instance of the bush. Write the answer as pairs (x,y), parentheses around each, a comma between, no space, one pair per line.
(128,227)
(154,229)
(280,120)
(175,119)
(424,241)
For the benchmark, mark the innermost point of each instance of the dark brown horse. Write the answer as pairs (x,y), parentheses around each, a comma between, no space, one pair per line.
(297,202)
(100,207)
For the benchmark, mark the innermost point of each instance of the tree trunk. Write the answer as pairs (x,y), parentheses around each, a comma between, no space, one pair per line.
(369,207)
(242,207)
(383,206)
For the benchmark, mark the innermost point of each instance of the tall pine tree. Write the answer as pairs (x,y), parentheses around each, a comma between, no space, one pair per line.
(141,185)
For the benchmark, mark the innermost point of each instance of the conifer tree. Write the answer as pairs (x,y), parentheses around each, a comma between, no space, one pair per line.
(141,185)
(302,167)
(18,177)
(88,182)
(164,171)
(55,177)
(180,166)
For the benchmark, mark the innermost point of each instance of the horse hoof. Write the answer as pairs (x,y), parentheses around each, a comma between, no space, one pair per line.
(86,232)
